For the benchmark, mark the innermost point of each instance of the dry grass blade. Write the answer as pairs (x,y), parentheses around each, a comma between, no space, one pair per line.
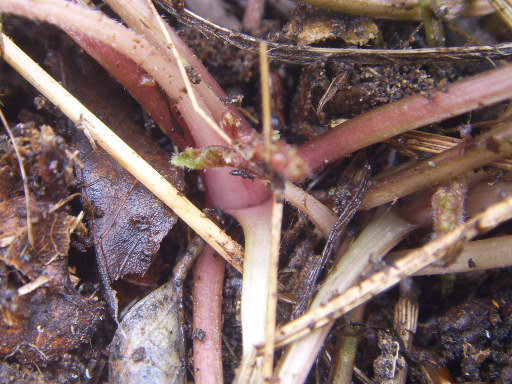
(504,8)
(299,54)
(275,231)
(418,141)
(389,276)
(147,175)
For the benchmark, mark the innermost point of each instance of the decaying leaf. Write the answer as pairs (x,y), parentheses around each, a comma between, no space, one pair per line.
(129,222)
(148,346)
(44,324)
(315,26)
(48,255)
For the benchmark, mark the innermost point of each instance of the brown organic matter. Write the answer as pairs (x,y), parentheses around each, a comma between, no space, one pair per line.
(47,320)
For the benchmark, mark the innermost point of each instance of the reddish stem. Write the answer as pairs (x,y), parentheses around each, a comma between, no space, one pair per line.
(208,277)
(253,15)
(138,83)
(410,113)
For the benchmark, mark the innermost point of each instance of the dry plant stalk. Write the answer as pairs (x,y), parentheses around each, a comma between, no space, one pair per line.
(108,140)
(426,142)
(389,276)
(464,157)
(275,230)
(311,55)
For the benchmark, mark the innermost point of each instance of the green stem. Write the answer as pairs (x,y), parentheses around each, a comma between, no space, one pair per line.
(404,9)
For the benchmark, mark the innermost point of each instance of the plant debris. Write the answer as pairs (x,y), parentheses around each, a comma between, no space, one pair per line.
(79,235)
(43,315)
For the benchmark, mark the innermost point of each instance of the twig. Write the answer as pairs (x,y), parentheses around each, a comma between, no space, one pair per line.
(22,169)
(141,170)
(391,275)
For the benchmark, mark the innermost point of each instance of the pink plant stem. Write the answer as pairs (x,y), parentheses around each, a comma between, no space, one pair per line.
(133,78)
(248,201)
(223,190)
(208,277)
(208,88)
(253,15)
(410,113)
